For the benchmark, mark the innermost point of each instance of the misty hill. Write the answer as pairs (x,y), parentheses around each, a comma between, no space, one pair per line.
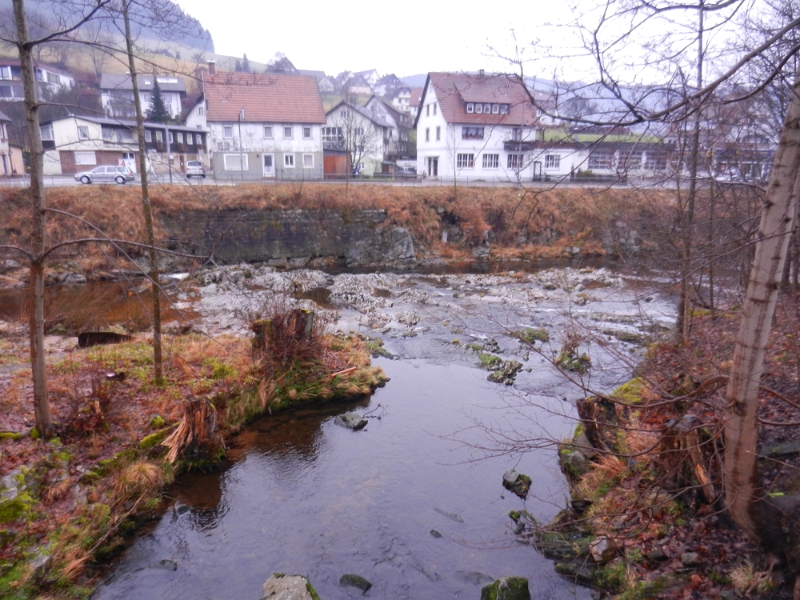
(415,81)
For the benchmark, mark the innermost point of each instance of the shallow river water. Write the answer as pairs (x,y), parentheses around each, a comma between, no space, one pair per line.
(306,496)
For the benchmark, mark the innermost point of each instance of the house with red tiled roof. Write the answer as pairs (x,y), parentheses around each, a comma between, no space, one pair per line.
(264,125)
(469,126)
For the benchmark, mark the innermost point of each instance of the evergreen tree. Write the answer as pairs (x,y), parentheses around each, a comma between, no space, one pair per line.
(245,64)
(237,67)
(158,109)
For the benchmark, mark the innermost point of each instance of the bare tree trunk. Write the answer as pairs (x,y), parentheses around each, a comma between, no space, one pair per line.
(158,364)
(41,405)
(743,493)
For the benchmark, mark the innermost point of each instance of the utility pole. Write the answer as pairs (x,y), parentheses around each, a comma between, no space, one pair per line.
(241,152)
(169,153)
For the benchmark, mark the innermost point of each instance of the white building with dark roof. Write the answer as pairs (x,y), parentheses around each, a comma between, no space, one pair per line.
(116,92)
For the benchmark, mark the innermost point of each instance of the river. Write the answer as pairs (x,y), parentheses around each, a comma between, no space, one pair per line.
(414,502)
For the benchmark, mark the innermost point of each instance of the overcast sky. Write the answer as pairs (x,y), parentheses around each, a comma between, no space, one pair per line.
(401,38)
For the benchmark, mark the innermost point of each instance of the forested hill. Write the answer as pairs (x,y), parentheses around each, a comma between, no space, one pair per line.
(183,29)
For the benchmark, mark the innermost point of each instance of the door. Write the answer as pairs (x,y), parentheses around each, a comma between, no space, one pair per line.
(269,165)
(129,160)
(433,166)
(537,170)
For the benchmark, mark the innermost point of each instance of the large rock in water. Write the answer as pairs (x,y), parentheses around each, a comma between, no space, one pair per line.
(517,483)
(507,588)
(386,247)
(288,587)
(351,420)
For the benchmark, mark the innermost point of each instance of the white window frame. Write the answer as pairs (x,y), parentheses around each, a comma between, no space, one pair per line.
(427,134)
(479,109)
(504,109)
(308,130)
(47,133)
(516,162)
(180,137)
(491,161)
(85,158)
(159,137)
(242,158)
(148,135)
(465,160)
(290,129)
(227,131)
(495,109)
(552,161)
(125,134)
(438,133)
(288,158)
(306,158)
(190,139)
(83,132)
(5,72)
(201,111)
(470,107)
(171,138)
(268,132)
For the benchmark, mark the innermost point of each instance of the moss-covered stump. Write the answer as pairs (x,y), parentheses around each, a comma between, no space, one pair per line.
(507,588)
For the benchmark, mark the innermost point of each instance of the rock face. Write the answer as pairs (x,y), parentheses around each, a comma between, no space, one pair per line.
(288,587)
(292,236)
(507,588)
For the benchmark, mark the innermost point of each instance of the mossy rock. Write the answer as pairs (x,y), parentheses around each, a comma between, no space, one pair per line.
(531,335)
(152,440)
(10,435)
(490,361)
(507,588)
(631,391)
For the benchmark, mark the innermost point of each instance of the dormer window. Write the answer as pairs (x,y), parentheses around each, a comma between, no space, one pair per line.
(504,109)
(495,109)
(487,108)
(470,107)
(479,109)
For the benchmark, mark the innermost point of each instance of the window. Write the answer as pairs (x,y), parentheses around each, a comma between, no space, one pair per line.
(287,132)
(126,135)
(53,78)
(504,109)
(428,110)
(159,137)
(5,72)
(85,158)
(235,162)
(201,111)
(6,91)
(515,161)
(487,108)
(148,135)
(655,161)
(472,133)
(358,132)
(190,139)
(227,131)
(306,133)
(630,160)
(427,134)
(495,109)
(107,133)
(180,137)
(288,161)
(308,161)
(170,138)
(516,134)
(331,135)
(491,161)
(470,108)
(267,132)
(438,133)
(552,161)
(601,159)
(434,108)
(479,109)
(465,161)
(47,132)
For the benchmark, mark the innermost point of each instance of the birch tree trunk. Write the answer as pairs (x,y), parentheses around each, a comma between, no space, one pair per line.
(41,405)
(747,502)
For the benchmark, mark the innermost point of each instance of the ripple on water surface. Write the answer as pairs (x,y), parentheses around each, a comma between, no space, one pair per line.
(306,496)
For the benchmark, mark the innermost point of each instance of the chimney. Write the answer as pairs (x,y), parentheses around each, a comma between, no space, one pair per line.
(212,67)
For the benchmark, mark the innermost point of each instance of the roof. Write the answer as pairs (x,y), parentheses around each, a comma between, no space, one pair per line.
(125,123)
(364,112)
(311,73)
(416,96)
(455,90)
(167,83)
(4,117)
(265,98)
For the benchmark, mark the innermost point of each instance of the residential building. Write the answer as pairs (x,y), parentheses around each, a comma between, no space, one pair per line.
(79,143)
(414,99)
(48,80)
(467,126)
(327,85)
(264,126)
(5,149)
(116,93)
(402,144)
(362,133)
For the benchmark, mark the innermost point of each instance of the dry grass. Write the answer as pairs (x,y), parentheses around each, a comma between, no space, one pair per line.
(139,477)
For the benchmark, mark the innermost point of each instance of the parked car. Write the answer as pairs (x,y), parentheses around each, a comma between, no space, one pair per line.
(406,172)
(105,175)
(194,168)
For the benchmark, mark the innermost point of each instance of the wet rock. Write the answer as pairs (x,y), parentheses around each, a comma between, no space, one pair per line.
(506,372)
(73,278)
(577,572)
(288,587)
(574,463)
(475,577)
(351,420)
(517,483)
(165,564)
(690,559)
(507,588)
(41,563)
(603,550)
(356,581)
(393,246)
(450,515)
(435,534)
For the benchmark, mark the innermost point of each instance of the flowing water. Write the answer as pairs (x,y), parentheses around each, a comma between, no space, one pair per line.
(414,502)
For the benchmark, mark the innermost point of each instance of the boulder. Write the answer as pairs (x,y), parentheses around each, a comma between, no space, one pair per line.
(351,420)
(387,246)
(603,550)
(690,559)
(517,483)
(288,587)
(507,588)
(356,581)
(574,463)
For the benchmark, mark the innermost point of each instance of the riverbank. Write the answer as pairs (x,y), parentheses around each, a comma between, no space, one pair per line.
(647,517)
(72,503)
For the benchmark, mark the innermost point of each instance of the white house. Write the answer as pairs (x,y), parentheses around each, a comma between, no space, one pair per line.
(468,127)
(365,135)
(264,126)
(116,93)
(400,144)
(48,80)
(5,149)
